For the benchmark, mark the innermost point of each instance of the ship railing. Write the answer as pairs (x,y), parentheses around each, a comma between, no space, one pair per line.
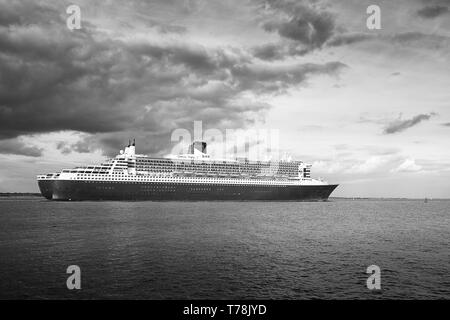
(47,176)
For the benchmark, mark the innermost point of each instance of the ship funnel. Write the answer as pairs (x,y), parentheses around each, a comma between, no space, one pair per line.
(132,149)
(200,146)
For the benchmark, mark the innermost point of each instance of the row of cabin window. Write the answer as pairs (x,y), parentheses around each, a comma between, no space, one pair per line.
(214,168)
(170,163)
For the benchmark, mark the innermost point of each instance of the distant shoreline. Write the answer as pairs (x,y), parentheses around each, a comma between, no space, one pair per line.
(382,198)
(19,194)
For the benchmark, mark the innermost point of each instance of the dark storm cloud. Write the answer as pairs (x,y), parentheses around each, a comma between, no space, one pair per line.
(446,124)
(14,12)
(280,78)
(54,79)
(269,51)
(349,38)
(420,39)
(432,11)
(308,26)
(304,26)
(301,22)
(15,146)
(278,51)
(401,125)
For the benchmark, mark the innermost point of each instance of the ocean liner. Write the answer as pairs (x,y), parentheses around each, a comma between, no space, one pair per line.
(191,176)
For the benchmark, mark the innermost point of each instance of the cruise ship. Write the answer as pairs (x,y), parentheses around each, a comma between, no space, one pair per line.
(191,176)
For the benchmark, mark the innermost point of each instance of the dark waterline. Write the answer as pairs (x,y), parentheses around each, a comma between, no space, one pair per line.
(224,250)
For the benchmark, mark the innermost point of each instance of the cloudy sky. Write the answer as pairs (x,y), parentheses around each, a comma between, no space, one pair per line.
(370,109)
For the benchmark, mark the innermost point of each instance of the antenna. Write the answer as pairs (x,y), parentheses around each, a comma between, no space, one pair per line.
(129,142)
(134,142)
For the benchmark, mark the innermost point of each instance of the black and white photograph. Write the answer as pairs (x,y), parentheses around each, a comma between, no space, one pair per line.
(198,151)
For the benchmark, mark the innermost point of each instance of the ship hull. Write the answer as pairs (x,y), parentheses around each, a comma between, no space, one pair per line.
(73,190)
